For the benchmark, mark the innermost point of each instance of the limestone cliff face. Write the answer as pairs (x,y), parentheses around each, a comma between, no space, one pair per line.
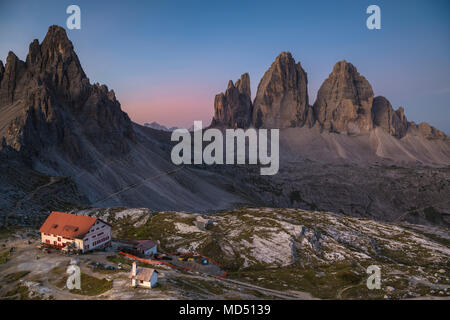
(48,103)
(233,109)
(282,97)
(384,116)
(396,123)
(344,101)
(427,131)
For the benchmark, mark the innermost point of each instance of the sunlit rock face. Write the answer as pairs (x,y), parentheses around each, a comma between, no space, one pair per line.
(233,108)
(282,97)
(344,101)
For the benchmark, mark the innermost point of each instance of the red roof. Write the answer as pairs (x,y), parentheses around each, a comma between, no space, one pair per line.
(67,225)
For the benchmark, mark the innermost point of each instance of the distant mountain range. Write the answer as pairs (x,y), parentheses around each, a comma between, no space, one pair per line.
(349,152)
(157,126)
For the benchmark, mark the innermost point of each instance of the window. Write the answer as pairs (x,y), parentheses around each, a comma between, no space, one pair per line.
(59,239)
(54,242)
(86,239)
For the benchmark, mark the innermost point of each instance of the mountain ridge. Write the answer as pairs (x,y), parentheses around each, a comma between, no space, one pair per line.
(63,126)
(155,125)
(345,103)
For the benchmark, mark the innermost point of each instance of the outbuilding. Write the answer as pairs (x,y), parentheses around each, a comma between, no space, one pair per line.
(143,277)
(146,247)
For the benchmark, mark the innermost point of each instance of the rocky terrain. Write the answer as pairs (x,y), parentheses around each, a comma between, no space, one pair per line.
(62,125)
(294,250)
(27,196)
(349,152)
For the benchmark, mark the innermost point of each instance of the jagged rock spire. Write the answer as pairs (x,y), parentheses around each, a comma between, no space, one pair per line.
(282,97)
(51,104)
(384,116)
(233,108)
(344,101)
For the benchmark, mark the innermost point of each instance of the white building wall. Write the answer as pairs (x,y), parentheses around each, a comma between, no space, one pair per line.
(54,239)
(98,236)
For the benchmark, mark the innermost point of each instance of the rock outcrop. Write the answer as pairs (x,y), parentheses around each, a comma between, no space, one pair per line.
(48,103)
(344,101)
(233,109)
(427,131)
(282,97)
(384,116)
(396,124)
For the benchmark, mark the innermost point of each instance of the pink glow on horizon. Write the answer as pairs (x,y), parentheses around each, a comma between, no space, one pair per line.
(170,107)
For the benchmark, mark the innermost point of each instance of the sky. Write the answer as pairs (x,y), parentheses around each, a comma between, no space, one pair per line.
(167,59)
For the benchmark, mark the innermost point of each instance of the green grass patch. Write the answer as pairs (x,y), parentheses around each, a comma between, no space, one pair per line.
(92,286)
(4,256)
(322,281)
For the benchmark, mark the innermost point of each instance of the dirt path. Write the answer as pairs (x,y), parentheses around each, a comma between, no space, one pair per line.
(280,294)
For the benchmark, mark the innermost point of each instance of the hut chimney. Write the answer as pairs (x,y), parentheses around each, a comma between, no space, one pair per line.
(133,269)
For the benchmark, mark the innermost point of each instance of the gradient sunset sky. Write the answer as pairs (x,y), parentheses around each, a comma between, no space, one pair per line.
(167,59)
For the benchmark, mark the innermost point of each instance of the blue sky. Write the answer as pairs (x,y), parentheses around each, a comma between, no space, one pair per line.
(167,59)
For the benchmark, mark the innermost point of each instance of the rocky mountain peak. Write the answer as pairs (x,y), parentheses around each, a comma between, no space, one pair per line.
(344,101)
(50,104)
(282,97)
(384,116)
(230,85)
(396,123)
(2,70)
(427,131)
(13,70)
(233,108)
(243,85)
